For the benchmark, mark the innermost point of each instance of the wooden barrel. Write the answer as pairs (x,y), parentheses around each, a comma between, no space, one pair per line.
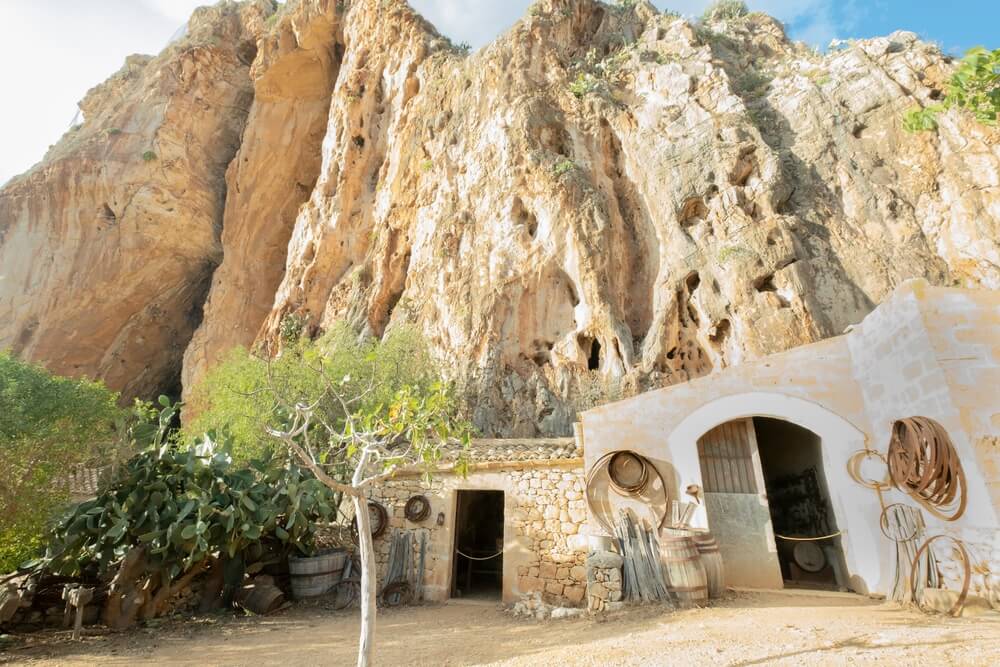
(262,599)
(711,560)
(683,570)
(317,574)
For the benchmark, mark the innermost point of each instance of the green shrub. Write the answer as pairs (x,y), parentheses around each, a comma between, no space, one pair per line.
(49,425)
(921,120)
(237,393)
(751,82)
(291,327)
(974,87)
(185,506)
(731,252)
(725,10)
(149,156)
(583,84)
(564,166)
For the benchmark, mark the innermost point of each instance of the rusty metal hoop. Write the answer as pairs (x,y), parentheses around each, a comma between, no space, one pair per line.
(380,521)
(923,463)
(602,463)
(854,469)
(956,609)
(621,461)
(397,593)
(417,508)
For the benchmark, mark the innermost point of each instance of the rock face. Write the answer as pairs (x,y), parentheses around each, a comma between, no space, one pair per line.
(602,200)
(107,246)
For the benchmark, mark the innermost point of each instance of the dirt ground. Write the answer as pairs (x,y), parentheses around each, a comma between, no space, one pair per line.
(774,628)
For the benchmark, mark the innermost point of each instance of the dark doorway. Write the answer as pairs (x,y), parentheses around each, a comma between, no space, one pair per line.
(478,558)
(799,503)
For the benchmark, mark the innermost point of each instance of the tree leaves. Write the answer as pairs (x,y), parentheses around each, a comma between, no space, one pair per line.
(187,505)
(974,87)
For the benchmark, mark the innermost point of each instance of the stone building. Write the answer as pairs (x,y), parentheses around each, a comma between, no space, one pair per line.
(520,509)
(740,434)
(737,437)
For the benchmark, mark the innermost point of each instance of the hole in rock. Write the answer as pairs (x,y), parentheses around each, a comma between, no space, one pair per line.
(692,282)
(765,283)
(594,356)
(693,210)
(718,337)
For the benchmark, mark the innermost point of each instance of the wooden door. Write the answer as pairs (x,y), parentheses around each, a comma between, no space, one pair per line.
(736,504)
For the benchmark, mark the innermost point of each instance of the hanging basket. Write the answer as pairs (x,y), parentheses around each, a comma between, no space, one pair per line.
(417,508)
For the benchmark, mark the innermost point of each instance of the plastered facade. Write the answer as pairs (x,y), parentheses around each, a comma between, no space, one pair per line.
(926,351)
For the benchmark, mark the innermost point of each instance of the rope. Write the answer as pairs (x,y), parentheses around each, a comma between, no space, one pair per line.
(474,558)
(923,463)
(808,539)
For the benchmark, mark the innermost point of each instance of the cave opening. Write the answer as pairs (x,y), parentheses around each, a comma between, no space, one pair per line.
(594,358)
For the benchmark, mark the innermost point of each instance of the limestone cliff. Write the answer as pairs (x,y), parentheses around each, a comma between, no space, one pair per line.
(108,245)
(602,197)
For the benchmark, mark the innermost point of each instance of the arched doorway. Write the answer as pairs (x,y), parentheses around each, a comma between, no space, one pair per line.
(765,490)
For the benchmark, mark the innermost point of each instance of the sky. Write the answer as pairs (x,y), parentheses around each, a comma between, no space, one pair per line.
(53,51)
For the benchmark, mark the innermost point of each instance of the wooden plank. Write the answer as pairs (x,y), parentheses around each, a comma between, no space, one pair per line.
(727,466)
(740,459)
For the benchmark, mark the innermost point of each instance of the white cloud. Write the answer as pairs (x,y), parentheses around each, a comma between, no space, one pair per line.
(477,22)
(175,10)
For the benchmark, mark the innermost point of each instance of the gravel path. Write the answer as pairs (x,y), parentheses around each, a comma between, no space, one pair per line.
(745,629)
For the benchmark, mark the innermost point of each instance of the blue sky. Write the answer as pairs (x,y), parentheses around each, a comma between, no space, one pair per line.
(60,48)
(956,25)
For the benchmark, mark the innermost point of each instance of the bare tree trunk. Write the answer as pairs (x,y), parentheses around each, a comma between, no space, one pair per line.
(368,575)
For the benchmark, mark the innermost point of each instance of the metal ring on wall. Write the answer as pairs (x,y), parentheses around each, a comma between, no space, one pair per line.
(417,508)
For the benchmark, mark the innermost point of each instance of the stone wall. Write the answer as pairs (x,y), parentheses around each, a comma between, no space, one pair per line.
(604,581)
(544,513)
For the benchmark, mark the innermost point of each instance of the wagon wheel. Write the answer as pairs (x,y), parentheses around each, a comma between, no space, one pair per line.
(379,519)
(395,594)
(417,508)
(346,592)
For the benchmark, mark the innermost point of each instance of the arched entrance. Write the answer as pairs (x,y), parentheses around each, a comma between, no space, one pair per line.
(852,505)
(765,491)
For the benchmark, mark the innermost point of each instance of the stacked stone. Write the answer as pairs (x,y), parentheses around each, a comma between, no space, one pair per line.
(604,581)
(393,496)
(550,512)
(548,508)
(983,547)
